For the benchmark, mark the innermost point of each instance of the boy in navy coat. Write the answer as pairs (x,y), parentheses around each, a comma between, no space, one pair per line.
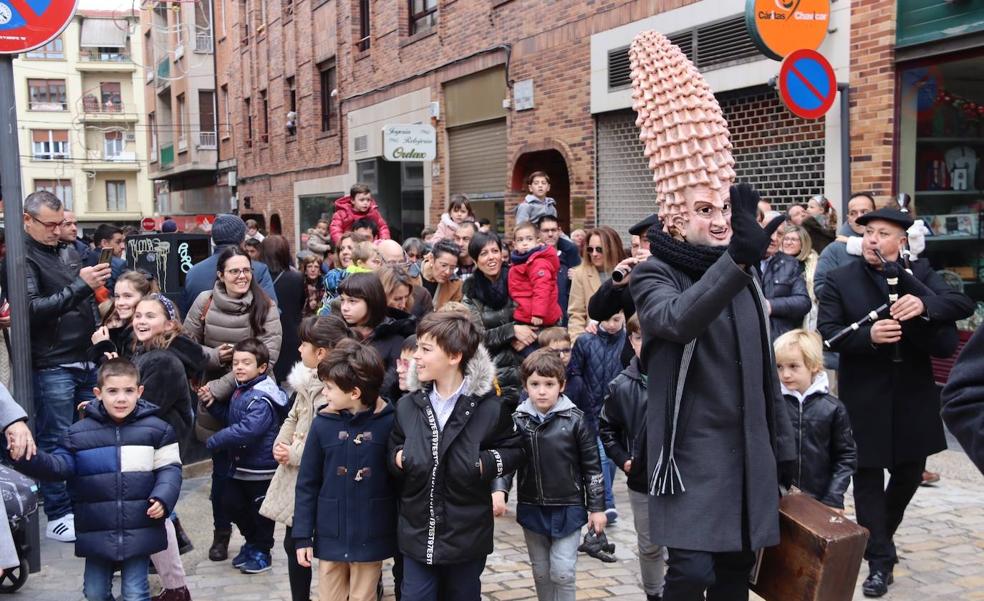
(123,470)
(345,502)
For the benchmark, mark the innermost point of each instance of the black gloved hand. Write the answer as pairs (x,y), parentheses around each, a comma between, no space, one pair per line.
(787,473)
(597,546)
(749,240)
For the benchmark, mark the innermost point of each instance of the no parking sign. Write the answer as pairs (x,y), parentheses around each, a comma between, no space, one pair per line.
(807,84)
(29,24)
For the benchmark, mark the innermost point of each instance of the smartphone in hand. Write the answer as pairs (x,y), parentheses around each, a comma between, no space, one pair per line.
(105,255)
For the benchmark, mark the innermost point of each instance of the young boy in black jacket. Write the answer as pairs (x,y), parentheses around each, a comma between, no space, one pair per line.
(564,467)
(826,454)
(450,439)
(622,425)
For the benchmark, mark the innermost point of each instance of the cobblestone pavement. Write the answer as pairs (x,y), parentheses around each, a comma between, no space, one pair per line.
(941,544)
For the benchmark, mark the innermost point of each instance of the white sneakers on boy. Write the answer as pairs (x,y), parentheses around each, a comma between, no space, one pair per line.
(62,529)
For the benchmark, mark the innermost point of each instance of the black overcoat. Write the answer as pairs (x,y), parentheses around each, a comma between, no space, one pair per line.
(894,407)
(733,427)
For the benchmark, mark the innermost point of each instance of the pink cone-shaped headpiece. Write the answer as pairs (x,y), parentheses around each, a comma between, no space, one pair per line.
(685,135)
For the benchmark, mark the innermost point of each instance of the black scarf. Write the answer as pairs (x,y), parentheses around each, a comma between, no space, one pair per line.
(492,294)
(691,259)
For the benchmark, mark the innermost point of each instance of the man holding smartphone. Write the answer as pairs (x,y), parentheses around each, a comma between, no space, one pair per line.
(63,317)
(109,243)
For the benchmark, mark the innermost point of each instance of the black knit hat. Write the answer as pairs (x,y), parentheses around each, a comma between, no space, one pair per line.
(887,214)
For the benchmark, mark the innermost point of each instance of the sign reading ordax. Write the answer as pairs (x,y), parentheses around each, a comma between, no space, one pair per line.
(416,142)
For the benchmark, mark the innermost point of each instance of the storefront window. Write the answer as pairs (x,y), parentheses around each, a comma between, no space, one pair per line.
(312,208)
(941,142)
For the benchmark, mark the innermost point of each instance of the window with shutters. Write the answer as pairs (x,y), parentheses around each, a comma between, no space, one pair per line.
(264,117)
(112,98)
(62,188)
(116,195)
(248,119)
(46,95)
(112,144)
(50,144)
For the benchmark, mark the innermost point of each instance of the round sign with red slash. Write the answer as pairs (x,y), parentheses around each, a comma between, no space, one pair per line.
(807,84)
(29,24)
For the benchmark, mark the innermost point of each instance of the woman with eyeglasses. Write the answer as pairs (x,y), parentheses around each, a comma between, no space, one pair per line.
(602,252)
(795,242)
(486,294)
(236,308)
(399,288)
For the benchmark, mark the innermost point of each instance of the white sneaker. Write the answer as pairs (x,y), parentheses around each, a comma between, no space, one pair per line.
(62,529)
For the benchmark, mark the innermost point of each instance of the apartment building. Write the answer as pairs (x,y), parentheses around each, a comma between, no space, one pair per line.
(179,93)
(82,122)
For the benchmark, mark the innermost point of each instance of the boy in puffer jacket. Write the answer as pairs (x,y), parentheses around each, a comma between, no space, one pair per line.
(826,454)
(253,418)
(124,476)
(533,279)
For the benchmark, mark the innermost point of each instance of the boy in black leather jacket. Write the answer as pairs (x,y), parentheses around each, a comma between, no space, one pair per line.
(564,467)
(622,426)
(826,455)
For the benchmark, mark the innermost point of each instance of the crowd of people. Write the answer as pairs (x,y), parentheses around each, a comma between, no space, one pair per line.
(383,400)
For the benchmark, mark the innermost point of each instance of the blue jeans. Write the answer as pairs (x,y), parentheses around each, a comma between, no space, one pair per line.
(553,562)
(57,390)
(98,581)
(608,470)
(446,582)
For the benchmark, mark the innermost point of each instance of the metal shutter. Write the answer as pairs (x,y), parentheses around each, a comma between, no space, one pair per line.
(626,192)
(477,160)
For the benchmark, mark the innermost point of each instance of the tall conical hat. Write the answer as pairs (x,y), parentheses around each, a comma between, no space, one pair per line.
(685,135)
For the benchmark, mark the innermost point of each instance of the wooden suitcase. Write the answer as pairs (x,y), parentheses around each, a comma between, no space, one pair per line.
(818,557)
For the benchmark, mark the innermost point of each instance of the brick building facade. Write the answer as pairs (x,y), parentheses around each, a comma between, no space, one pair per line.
(453,69)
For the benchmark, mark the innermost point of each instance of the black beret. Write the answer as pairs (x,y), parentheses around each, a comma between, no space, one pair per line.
(887,214)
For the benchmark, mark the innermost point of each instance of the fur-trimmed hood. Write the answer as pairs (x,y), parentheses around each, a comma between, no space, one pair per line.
(479,375)
(304,381)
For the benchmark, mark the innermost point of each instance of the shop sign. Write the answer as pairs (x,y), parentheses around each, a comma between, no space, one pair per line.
(807,84)
(416,142)
(29,24)
(779,27)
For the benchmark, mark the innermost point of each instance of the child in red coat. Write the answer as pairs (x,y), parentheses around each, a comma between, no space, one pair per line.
(349,209)
(533,278)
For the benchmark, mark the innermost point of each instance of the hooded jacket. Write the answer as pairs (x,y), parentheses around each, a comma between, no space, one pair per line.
(253,426)
(345,216)
(445,230)
(318,243)
(113,470)
(165,375)
(533,285)
(826,456)
(279,502)
(564,467)
(532,208)
(622,423)
(595,361)
(346,499)
(387,338)
(445,511)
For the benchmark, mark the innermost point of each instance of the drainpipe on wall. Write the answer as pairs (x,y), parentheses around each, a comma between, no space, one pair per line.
(845,142)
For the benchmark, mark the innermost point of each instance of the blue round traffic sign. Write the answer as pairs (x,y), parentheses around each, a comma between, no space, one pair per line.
(807,84)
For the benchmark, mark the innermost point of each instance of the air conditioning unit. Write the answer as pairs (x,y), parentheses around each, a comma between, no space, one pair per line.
(361,143)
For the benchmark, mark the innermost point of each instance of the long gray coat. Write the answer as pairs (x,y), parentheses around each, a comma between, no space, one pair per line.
(732,422)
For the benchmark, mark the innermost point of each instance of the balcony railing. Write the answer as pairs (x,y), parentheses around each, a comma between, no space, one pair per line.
(206,140)
(167,156)
(104,55)
(203,42)
(91,104)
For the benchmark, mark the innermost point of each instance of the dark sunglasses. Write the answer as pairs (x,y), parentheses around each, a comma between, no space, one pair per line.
(595,250)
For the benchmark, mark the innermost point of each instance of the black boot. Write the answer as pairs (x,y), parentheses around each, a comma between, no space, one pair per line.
(876,584)
(219,551)
(184,543)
